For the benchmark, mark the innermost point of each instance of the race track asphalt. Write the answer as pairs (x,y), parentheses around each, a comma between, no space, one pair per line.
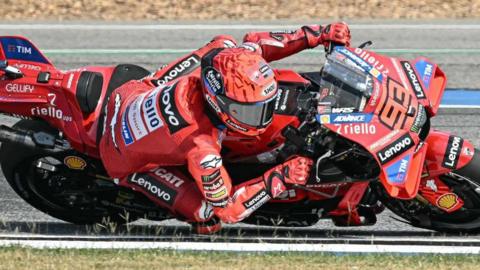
(462,69)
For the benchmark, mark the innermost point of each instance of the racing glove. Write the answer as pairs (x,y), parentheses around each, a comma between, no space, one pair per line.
(335,33)
(292,172)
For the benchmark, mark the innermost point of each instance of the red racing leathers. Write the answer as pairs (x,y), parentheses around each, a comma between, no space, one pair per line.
(163,121)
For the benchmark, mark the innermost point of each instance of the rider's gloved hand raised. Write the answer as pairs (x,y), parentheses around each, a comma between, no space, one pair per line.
(337,33)
(329,36)
(292,172)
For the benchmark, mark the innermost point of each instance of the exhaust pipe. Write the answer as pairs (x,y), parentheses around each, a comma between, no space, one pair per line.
(10,135)
(42,140)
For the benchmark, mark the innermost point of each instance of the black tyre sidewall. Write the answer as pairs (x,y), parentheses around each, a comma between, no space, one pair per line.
(13,155)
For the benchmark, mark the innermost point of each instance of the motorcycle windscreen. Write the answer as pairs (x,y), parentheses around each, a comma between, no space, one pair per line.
(401,176)
(21,49)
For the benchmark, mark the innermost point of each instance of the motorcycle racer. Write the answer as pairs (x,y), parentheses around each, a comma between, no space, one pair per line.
(179,115)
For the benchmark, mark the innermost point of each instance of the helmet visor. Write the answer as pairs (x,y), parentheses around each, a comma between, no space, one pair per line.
(258,114)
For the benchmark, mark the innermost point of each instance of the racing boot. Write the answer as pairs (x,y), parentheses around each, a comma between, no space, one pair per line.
(208,227)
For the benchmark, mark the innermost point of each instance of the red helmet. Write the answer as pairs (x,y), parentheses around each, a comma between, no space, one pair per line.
(241,88)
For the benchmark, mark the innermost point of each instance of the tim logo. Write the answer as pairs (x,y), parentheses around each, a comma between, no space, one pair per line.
(19,49)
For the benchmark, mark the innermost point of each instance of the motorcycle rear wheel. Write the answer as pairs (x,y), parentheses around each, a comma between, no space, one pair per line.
(18,164)
(464,182)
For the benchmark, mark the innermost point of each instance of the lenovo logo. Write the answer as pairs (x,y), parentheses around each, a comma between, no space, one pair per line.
(170,112)
(184,67)
(413,79)
(257,200)
(452,153)
(393,150)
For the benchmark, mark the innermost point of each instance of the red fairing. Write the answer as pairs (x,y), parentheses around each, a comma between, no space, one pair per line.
(447,152)
(436,192)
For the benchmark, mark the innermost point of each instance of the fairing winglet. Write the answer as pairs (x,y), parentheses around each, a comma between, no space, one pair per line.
(401,177)
(434,82)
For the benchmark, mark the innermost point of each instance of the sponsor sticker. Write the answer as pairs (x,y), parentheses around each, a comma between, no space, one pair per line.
(447,201)
(151,116)
(51,112)
(206,211)
(266,70)
(281,32)
(211,177)
(467,151)
(215,185)
(337,118)
(378,70)
(211,162)
(395,149)
(27,66)
(452,153)
(213,81)
(257,200)
(365,61)
(153,187)
(219,203)
(286,101)
(135,119)
(169,110)
(217,195)
(413,79)
(269,89)
(425,69)
(356,129)
(343,110)
(183,67)
(431,185)
(397,172)
(213,104)
(234,125)
(75,163)
(420,120)
(168,176)
(126,132)
(19,88)
(375,95)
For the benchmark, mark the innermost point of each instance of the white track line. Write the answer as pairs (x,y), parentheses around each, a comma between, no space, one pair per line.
(459,106)
(243,247)
(228,26)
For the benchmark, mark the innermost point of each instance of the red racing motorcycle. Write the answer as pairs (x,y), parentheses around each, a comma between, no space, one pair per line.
(364,119)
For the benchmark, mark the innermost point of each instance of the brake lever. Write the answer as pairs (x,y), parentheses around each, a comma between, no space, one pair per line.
(365,44)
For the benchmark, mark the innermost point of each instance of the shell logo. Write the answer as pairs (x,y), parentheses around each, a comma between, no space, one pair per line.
(447,201)
(325,119)
(75,163)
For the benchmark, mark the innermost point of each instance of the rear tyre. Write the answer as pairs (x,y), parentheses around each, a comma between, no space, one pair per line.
(78,202)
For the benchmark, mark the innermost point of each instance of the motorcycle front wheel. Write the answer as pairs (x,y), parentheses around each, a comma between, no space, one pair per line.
(464,182)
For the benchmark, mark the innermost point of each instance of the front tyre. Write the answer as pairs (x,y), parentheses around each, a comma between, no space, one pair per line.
(464,182)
